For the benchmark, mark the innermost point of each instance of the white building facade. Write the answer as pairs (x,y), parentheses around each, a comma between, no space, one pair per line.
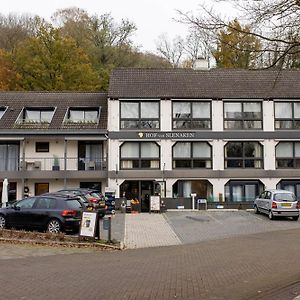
(222,135)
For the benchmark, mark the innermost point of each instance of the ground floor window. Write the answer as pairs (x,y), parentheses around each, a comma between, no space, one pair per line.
(290,185)
(41,188)
(184,188)
(240,191)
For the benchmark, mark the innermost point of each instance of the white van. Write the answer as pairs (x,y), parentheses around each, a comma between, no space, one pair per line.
(277,203)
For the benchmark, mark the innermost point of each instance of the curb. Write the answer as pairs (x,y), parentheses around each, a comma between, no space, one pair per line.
(62,244)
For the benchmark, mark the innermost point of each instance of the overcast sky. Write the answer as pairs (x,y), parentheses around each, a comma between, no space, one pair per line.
(152,17)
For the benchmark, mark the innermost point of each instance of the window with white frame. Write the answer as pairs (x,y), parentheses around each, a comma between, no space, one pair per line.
(140,155)
(139,115)
(288,155)
(243,115)
(83,115)
(191,114)
(37,115)
(287,115)
(244,155)
(192,155)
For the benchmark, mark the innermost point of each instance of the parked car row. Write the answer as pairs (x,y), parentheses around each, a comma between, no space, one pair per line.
(52,212)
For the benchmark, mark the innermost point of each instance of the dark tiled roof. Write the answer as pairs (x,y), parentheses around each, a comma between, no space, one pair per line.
(15,101)
(214,83)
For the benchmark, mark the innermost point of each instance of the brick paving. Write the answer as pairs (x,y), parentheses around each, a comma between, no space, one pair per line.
(148,230)
(241,267)
(221,259)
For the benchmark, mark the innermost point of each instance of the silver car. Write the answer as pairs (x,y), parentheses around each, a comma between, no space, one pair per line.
(277,203)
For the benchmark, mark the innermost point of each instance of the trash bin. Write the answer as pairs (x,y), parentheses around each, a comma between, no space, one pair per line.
(202,204)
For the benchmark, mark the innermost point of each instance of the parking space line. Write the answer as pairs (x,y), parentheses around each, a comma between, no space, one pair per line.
(215,219)
(253,215)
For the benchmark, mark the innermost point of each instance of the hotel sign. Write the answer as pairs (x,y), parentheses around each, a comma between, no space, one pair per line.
(167,135)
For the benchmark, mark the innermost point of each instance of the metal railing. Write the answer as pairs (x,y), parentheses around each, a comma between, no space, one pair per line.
(60,164)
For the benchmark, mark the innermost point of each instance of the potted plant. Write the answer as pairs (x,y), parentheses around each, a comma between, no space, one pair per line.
(55,166)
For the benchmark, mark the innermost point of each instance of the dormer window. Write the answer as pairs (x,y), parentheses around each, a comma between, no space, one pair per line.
(83,115)
(2,111)
(37,115)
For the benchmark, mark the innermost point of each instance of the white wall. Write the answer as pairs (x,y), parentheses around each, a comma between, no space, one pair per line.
(113,113)
(217,115)
(166,115)
(268,115)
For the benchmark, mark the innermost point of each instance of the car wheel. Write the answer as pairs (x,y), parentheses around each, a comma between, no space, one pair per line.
(256,211)
(295,218)
(2,222)
(271,216)
(54,226)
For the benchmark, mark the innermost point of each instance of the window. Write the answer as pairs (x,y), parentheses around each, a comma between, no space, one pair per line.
(37,115)
(26,203)
(83,115)
(242,115)
(287,115)
(42,147)
(191,115)
(192,155)
(9,156)
(140,115)
(45,203)
(2,111)
(41,188)
(290,185)
(140,155)
(288,155)
(240,191)
(244,155)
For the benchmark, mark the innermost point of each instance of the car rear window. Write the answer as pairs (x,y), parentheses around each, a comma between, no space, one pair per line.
(73,204)
(284,197)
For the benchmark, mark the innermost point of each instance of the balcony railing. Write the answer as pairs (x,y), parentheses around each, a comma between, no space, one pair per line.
(60,164)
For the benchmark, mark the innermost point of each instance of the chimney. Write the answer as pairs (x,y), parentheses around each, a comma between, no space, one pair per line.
(201,64)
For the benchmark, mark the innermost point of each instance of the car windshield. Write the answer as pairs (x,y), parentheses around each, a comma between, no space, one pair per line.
(96,194)
(284,197)
(73,204)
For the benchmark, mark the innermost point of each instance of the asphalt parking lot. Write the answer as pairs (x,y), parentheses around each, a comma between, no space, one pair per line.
(196,226)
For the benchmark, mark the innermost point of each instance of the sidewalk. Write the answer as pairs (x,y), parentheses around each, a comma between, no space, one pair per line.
(148,230)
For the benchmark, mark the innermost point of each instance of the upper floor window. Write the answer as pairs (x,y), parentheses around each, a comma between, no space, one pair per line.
(244,155)
(192,155)
(242,115)
(191,115)
(140,115)
(83,115)
(140,155)
(42,147)
(287,115)
(288,155)
(37,115)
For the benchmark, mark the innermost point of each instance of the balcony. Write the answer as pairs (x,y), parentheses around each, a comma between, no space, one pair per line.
(62,164)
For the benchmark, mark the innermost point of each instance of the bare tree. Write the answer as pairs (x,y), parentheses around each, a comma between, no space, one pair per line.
(172,51)
(14,29)
(276,23)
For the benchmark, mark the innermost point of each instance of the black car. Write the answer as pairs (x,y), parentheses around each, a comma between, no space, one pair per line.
(47,212)
(95,199)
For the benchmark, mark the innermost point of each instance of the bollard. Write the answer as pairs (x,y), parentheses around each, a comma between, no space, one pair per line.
(107,226)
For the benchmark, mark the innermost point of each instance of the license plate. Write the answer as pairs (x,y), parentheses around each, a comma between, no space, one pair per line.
(285,204)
